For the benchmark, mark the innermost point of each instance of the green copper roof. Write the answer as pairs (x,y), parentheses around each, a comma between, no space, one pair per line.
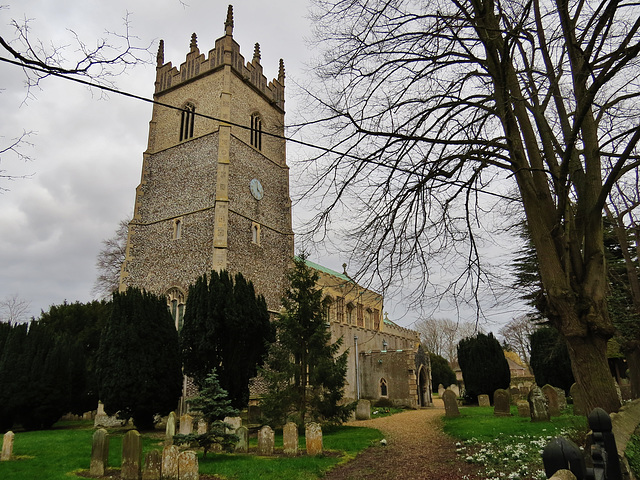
(320,268)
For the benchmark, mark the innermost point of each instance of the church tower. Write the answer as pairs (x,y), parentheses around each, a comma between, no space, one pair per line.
(214,190)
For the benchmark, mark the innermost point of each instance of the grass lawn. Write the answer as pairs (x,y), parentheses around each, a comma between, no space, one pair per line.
(58,453)
(509,447)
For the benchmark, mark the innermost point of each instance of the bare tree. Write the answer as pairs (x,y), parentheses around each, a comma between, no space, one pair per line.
(516,335)
(441,336)
(14,309)
(436,112)
(110,260)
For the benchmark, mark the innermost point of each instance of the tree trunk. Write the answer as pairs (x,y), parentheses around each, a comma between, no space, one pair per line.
(591,371)
(633,361)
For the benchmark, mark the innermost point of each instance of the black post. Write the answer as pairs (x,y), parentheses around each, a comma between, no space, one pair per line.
(561,453)
(603,450)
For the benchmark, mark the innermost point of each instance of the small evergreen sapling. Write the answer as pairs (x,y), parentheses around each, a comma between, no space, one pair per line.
(214,405)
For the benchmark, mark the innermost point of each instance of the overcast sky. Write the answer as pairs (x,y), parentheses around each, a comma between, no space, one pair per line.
(87,150)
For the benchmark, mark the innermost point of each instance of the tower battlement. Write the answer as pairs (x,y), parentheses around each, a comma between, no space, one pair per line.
(225,52)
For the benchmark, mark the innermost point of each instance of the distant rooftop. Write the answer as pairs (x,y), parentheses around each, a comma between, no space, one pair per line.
(320,268)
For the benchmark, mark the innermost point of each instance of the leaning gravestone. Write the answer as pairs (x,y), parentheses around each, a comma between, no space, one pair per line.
(579,407)
(266,439)
(234,422)
(450,404)
(152,466)
(99,452)
(552,400)
(186,424)
(538,405)
(363,410)
(131,456)
(170,462)
(243,440)
(170,429)
(7,446)
(313,438)
(483,401)
(501,403)
(290,439)
(523,409)
(188,465)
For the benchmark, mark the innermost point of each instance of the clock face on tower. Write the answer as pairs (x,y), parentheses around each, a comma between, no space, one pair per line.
(256,189)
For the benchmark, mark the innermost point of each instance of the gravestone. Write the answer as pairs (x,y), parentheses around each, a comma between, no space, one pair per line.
(7,446)
(202,427)
(290,439)
(131,456)
(450,404)
(243,440)
(363,410)
(103,420)
(99,452)
(441,390)
(152,466)
(234,422)
(188,466)
(266,439)
(186,424)
(524,390)
(455,389)
(313,438)
(562,399)
(170,429)
(579,407)
(538,405)
(501,403)
(483,401)
(523,409)
(552,400)
(170,462)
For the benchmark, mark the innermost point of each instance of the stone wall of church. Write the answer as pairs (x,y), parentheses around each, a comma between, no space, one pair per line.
(398,371)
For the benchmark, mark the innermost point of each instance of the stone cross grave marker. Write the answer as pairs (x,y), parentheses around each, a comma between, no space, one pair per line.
(313,438)
(501,403)
(290,439)
(188,465)
(170,462)
(152,465)
(131,456)
(483,400)
(243,440)
(266,439)
(99,452)
(450,404)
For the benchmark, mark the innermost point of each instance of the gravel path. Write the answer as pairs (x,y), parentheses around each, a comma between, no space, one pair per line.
(416,449)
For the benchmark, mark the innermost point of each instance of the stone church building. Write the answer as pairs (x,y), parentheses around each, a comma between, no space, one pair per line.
(214,194)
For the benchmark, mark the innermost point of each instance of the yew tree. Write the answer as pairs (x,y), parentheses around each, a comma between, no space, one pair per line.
(436,112)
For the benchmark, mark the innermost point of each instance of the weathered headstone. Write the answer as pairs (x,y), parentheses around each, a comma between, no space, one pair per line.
(455,389)
(170,462)
(99,452)
(243,440)
(266,439)
(188,466)
(186,424)
(290,439)
(234,422)
(7,446)
(170,429)
(152,466)
(562,399)
(501,403)
(577,395)
(441,390)
(538,405)
(363,410)
(202,427)
(523,409)
(552,400)
(131,456)
(483,401)
(450,404)
(103,420)
(313,438)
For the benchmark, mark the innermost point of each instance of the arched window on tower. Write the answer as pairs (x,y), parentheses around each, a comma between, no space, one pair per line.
(384,392)
(255,233)
(256,131)
(186,121)
(175,304)
(177,229)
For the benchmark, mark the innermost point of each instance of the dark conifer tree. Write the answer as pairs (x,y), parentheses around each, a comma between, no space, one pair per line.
(441,372)
(550,360)
(484,366)
(138,367)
